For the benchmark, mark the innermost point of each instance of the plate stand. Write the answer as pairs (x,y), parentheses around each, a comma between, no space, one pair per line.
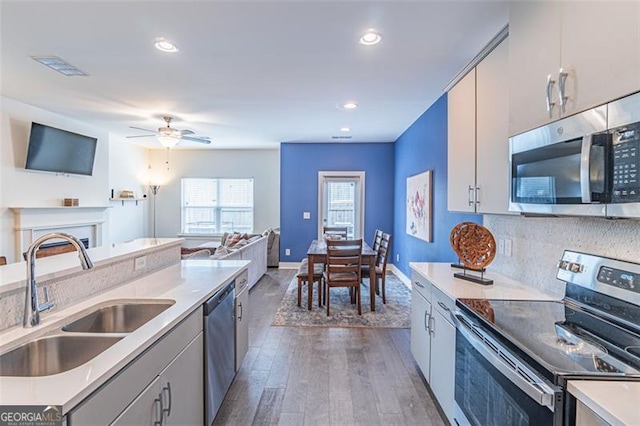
(473,278)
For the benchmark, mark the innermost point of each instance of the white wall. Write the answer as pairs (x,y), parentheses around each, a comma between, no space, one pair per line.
(261,165)
(538,244)
(19,187)
(128,170)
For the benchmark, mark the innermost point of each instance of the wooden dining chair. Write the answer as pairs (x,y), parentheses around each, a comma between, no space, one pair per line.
(377,239)
(343,269)
(381,264)
(335,231)
(303,278)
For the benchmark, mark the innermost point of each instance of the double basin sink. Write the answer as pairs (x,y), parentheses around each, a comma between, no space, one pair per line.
(80,340)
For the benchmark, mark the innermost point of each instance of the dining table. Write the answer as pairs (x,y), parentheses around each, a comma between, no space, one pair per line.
(317,253)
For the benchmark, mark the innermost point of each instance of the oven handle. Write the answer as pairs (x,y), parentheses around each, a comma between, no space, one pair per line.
(585,181)
(512,368)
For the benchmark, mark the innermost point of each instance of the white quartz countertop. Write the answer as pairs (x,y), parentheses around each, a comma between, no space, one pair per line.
(616,402)
(14,275)
(503,288)
(190,283)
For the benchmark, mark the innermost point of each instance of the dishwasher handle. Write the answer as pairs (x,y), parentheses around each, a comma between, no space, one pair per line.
(219,297)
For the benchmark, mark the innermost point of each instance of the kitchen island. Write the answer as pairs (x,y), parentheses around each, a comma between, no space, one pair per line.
(187,284)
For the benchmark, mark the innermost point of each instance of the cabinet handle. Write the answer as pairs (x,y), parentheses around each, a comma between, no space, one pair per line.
(427,320)
(562,99)
(168,389)
(477,197)
(469,196)
(550,105)
(419,284)
(240,314)
(443,306)
(432,326)
(159,413)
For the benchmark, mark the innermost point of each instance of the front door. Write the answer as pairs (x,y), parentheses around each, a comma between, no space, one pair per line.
(341,202)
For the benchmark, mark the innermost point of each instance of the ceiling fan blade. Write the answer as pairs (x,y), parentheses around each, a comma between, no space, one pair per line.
(140,136)
(140,128)
(187,132)
(198,139)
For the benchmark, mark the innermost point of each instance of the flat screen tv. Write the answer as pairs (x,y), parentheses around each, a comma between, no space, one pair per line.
(60,151)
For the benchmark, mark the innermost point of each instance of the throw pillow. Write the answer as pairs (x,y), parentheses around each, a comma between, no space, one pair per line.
(240,243)
(233,239)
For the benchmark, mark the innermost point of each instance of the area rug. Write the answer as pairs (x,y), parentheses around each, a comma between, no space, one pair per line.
(396,313)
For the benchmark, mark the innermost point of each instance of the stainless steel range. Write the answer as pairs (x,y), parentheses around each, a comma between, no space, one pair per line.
(513,358)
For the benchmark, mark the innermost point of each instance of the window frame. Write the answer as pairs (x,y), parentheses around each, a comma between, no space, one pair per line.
(218,210)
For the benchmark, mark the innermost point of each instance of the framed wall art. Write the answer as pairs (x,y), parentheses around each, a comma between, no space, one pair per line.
(419,206)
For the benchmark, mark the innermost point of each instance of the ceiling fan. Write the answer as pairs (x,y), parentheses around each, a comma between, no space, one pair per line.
(169,136)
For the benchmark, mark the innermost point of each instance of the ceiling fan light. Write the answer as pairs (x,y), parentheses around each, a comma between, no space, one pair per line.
(168,141)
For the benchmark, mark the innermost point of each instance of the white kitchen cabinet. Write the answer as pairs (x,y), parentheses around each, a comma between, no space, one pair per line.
(182,386)
(461,155)
(443,358)
(171,372)
(242,318)
(433,340)
(173,398)
(146,409)
(420,337)
(478,144)
(597,45)
(586,417)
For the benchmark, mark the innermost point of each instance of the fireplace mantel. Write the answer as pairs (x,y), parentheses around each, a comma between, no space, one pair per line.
(30,222)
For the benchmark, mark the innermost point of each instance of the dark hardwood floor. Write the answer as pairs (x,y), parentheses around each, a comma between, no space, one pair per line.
(323,376)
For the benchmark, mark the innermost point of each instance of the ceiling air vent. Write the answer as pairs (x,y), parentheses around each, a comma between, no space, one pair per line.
(60,65)
(339,137)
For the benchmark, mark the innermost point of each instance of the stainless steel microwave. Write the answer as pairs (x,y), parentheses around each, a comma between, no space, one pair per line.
(583,165)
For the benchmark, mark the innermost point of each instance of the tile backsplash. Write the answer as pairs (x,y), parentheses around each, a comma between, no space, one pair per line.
(538,244)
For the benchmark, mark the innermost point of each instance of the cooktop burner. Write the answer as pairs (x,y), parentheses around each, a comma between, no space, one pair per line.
(563,339)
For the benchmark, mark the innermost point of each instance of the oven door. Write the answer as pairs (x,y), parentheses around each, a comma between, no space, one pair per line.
(494,387)
(561,168)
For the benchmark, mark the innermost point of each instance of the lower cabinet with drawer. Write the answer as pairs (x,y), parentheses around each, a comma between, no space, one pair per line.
(162,386)
(433,340)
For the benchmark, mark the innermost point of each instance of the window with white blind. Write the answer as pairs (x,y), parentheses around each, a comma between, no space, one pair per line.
(214,206)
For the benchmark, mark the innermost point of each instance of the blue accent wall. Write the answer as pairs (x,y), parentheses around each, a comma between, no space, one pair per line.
(422,147)
(299,167)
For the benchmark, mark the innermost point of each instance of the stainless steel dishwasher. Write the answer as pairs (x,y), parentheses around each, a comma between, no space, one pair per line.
(219,318)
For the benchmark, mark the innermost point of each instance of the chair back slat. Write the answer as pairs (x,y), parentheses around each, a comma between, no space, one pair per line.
(335,231)
(377,239)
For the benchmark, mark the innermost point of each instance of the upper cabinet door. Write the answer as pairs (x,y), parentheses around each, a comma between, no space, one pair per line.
(492,137)
(600,52)
(534,54)
(590,51)
(461,112)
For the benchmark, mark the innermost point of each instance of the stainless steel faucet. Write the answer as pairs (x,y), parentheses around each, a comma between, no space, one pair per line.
(32,307)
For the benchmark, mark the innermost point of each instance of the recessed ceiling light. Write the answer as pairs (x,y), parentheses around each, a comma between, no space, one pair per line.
(370,38)
(58,64)
(345,129)
(348,105)
(165,45)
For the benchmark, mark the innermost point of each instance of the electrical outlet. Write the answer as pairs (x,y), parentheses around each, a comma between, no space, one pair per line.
(287,252)
(397,257)
(507,248)
(501,246)
(140,263)
(306,215)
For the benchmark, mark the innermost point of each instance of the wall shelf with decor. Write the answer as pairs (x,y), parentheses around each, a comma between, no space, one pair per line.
(127,199)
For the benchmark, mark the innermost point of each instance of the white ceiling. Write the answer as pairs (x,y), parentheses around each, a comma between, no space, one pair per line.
(248,74)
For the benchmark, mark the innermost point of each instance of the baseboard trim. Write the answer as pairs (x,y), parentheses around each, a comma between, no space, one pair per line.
(289,265)
(398,273)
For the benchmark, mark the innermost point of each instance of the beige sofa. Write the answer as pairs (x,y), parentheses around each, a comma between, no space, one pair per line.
(255,250)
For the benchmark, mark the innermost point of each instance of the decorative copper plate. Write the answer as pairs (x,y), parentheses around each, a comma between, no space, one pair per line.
(474,244)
